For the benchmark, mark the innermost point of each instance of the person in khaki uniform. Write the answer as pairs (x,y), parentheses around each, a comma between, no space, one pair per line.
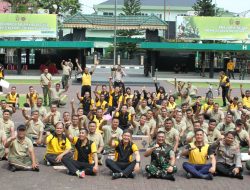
(21,152)
(45,81)
(171,134)
(242,136)
(140,128)
(74,126)
(216,113)
(151,123)
(109,130)
(2,142)
(97,138)
(227,125)
(66,73)
(51,118)
(35,128)
(6,124)
(190,137)
(213,134)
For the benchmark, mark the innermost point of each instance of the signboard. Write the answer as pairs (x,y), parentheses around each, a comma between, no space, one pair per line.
(28,25)
(141,141)
(212,28)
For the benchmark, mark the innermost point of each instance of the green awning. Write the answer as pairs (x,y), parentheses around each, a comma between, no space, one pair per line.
(118,39)
(194,46)
(47,44)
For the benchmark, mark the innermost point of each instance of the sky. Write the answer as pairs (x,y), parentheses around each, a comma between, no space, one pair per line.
(236,6)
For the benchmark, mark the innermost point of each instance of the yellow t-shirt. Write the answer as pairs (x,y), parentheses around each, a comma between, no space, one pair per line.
(171,106)
(198,155)
(246,101)
(12,97)
(134,148)
(86,79)
(89,156)
(98,122)
(54,146)
(230,65)
(102,105)
(112,93)
(224,81)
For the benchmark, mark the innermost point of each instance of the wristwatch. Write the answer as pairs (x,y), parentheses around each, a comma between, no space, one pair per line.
(138,162)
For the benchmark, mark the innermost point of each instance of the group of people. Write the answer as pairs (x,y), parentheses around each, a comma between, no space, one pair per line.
(177,125)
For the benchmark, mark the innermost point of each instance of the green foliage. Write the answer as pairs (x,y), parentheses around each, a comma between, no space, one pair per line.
(63,7)
(131,7)
(205,8)
(21,6)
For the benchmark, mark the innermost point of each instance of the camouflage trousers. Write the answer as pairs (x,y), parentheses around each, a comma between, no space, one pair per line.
(157,171)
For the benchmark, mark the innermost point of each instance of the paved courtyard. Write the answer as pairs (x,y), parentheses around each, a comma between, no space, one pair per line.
(48,178)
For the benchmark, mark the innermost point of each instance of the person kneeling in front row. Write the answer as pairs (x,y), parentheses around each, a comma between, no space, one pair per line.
(21,152)
(162,159)
(85,151)
(123,166)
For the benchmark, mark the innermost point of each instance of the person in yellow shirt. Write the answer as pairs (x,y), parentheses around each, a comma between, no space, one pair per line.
(198,153)
(86,78)
(87,103)
(224,84)
(115,97)
(31,97)
(230,68)
(123,166)
(1,77)
(58,146)
(245,98)
(13,98)
(102,103)
(85,152)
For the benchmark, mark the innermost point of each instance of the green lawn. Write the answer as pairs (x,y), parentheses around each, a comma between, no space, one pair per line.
(26,81)
(215,85)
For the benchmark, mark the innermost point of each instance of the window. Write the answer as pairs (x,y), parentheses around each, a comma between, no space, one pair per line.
(107,13)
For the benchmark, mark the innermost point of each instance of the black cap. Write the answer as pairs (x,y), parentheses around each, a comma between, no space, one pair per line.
(238,122)
(21,128)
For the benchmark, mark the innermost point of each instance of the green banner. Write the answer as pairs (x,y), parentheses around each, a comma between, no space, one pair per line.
(28,25)
(212,28)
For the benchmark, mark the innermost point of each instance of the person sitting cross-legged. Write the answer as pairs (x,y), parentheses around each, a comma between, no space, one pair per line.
(198,152)
(123,166)
(162,159)
(21,152)
(228,157)
(58,146)
(85,152)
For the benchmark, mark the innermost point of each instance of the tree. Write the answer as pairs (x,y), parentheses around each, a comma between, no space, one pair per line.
(131,7)
(21,6)
(205,8)
(60,7)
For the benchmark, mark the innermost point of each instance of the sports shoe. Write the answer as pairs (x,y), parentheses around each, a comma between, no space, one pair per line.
(189,175)
(168,177)
(116,175)
(80,174)
(12,168)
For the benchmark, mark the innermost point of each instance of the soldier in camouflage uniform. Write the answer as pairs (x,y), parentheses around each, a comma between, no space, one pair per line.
(162,159)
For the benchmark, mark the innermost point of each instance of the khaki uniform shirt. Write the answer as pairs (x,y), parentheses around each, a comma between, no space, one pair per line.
(74,131)
(170,135)
(66,70)
(97,138)
(20,149)
(35,128)
(2,135)
(151,123)
(225,128)
(218,116)
(212,136)
(139,130)
(180,125)
(6,126)
(45,79)
(56,117)
(108,132)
